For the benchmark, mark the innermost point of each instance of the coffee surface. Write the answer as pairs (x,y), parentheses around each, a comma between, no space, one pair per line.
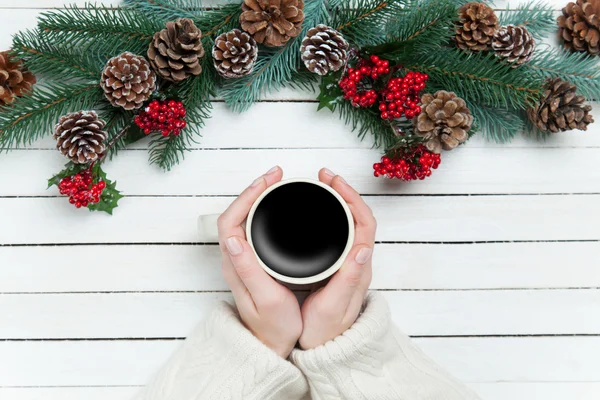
(299,230)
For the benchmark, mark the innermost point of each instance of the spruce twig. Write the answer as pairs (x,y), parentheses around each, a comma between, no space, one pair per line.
(536,16)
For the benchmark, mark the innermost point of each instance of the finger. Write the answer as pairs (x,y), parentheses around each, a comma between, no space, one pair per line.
(326,176)
(354,275)
(237,212)
(238,289)
(366,225)
(260,285)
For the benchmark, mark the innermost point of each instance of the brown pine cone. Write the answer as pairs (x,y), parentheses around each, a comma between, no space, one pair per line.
(579,24)
(176,51)
(79,136)
(324,50)
(514,44)
(476,28)
(234,54)
(272,22)
(128,81)
(444,122)
(15,79)
(560,109)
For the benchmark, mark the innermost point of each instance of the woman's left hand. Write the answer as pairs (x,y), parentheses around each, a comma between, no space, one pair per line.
(268,309)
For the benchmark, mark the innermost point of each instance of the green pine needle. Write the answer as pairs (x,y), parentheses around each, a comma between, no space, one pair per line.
(275,67)
(578,68)
(478,77)
(499,125)
(33,116)
(167,10)
(536,16)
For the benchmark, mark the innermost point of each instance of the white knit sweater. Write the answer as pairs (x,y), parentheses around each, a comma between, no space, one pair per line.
(222,360)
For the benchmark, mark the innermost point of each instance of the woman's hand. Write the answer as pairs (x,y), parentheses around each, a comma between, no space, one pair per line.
(269,310)
(333,309)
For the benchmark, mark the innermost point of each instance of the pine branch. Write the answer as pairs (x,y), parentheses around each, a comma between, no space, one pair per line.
(477,77)
(218,20)
(425,26)
(536,16)
(33,116)
(578,68)
(275,67)
(362,22)
(195,93)
(499,125)
(43,57)
(167,10)
(107,31)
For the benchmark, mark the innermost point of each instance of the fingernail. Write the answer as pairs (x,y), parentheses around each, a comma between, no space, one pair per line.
(363,255)
(234,246)
(328,172)
(275,168)
(257,181)
(342,179)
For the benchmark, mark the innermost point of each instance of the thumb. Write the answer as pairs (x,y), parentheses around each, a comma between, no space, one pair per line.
(354,275)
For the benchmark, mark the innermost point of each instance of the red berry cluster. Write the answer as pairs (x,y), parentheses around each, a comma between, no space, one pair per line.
(401,96)
(80,189)
(414,164)
(356,85)
(167,117)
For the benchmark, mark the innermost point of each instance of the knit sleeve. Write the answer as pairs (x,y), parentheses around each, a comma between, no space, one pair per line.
(222,360)
(373,360)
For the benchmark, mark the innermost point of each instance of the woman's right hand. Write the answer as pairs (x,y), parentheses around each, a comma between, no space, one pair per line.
(333,309)
(267,308)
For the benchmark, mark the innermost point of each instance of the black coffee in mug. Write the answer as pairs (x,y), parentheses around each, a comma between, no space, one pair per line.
(300,230)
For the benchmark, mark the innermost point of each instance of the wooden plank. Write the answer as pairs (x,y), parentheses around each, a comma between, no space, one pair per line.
(301,126)
(488,391)
(432,218)
(481,360)
(227,172)
(421,313)
(397,266)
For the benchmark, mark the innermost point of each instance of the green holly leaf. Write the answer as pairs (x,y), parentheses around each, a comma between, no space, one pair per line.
(330,92)
(70,170)
(110,195)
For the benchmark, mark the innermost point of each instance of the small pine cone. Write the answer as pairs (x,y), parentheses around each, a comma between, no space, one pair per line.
(176,51)
(79,136)
(234,54)
(560,109)
(444,122)
(15,79)
(579,26)
(324,50)
(476,28)
(128,81)
(514,44)
(272,23)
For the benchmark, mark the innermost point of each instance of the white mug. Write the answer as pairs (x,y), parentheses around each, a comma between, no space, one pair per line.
(207,227)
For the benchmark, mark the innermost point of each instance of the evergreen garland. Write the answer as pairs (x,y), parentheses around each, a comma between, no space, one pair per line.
(70,47)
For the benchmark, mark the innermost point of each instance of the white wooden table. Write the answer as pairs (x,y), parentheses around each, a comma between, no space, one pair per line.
(492,264)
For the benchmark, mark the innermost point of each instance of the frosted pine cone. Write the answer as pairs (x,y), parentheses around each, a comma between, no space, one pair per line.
(128,81)
(514,44)
(324,50)
(79,136)
(234,54)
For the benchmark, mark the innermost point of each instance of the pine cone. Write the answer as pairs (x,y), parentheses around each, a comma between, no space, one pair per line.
(15,79)
(128,81)
(444,122)
(578,26)
(176,51)
(478,23)
(79,136)
(560,109)
(514,44)
(272,22)
(324,50)
(234,54)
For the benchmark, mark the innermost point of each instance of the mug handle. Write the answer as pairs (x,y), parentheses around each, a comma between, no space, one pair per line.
(207,228)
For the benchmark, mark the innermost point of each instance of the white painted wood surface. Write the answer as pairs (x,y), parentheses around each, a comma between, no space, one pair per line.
(493,263)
